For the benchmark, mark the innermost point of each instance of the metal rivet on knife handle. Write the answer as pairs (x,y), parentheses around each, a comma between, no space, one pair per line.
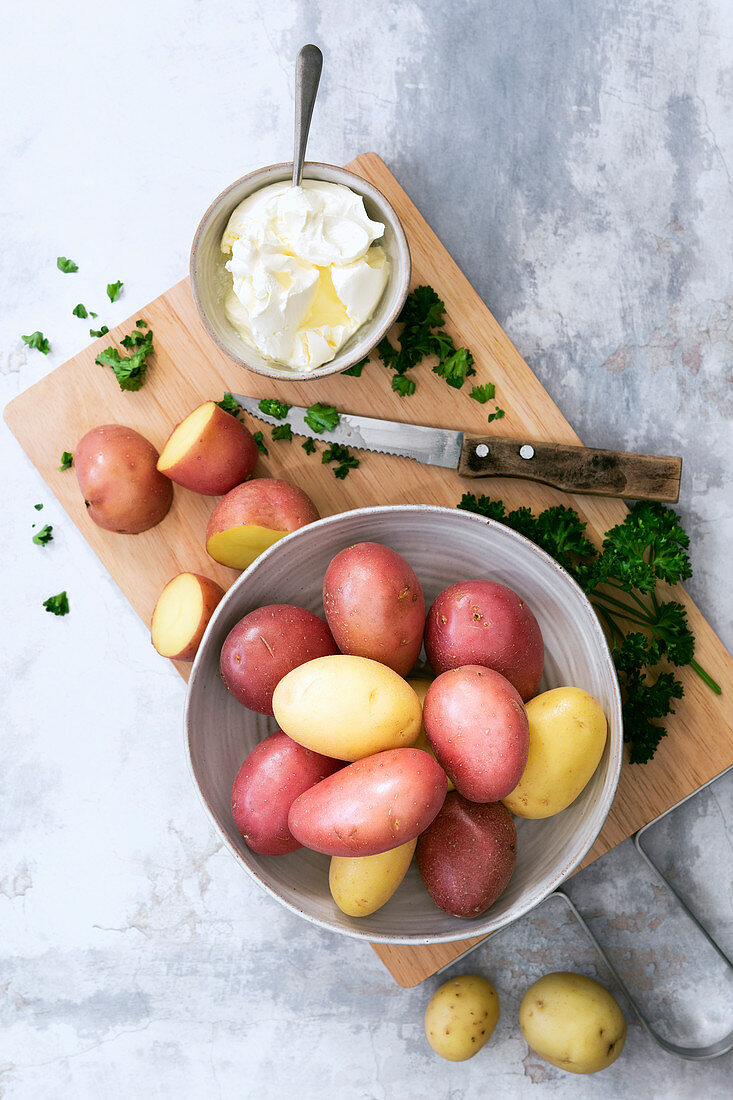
(527,451)
(482,450)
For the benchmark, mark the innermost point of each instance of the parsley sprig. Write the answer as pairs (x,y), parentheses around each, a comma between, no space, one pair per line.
(270,406)
(44,536)
(321,418)
(57,605)
(38,342)
(648,547)
(130,370)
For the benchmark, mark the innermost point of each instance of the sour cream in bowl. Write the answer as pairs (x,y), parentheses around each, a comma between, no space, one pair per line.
(304,281)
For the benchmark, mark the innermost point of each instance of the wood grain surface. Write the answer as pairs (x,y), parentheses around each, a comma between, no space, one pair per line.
(187,369)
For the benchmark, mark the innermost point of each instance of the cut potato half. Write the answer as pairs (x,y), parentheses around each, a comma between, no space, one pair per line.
(239,546)
(209,452)
(182,614)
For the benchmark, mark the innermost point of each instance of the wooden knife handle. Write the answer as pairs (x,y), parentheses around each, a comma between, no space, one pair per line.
(574,469)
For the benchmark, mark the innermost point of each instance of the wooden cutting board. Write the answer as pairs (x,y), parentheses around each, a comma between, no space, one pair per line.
(187,369)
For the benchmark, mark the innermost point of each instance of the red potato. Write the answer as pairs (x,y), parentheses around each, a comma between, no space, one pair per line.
(182,614)
(370,806)
(467,855)
(274,774)
(485,623)
(252,517)
(209,452)
(374,605)
(123,490)
(267,644)
(477,726)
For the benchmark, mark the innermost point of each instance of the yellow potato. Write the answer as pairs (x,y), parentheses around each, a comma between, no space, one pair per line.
(572,1022)
(362,884)
(567,735)
(420,687)
(461,1017)
(347,707)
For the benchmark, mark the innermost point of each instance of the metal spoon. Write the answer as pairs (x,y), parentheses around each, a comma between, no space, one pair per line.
(308,67)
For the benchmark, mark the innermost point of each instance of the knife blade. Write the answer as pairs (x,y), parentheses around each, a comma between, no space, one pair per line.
(573,469)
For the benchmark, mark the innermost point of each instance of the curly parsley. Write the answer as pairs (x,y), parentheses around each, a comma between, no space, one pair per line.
(130,370)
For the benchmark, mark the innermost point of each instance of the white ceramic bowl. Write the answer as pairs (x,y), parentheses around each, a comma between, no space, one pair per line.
(210,280)
(443,545)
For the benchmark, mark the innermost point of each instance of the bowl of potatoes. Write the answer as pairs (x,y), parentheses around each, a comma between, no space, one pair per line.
(405,723)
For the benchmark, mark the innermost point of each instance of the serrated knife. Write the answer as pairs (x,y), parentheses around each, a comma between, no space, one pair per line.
(570,468)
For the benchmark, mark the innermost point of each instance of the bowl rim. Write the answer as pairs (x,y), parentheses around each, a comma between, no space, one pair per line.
(402,272)
(470,929)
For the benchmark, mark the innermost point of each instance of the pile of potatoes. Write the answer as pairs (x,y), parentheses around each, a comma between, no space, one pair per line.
(370,767)
(128,488)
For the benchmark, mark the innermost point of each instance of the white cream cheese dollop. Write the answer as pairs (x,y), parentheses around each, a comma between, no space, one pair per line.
(305,271)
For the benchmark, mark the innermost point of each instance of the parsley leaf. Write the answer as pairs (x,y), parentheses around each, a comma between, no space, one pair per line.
(80,311)
(270,406)
(142,324)
(44,536)
(497,414)
(114,290)
(455,368)
(227,403)
(321,418)
(130,370)
(355,371)
(67,460)
(482,394)
(282,431)
(259,440)
(57,605)
(37,341)
(309,446)
(67,266)
(337,453)
(99,332)
(402,385)
(38,507)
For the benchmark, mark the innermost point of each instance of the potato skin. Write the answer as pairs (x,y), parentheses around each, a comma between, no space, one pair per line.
(477,726)
(573,1022)
(371,806)
(420,687)
(484,623)
(223,456)
(347,707)
(467,855)
(274,774)
(362,884)
(461,1017)
(267,644)
(118,476)
(374,605)
(567,735)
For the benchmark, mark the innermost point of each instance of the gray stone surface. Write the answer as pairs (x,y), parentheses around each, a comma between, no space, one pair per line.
(575,158)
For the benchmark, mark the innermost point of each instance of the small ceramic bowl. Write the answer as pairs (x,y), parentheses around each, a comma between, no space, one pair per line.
(210,280)
(443,545)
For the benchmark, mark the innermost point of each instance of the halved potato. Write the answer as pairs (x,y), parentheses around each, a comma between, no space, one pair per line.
(182,614)
(209,452)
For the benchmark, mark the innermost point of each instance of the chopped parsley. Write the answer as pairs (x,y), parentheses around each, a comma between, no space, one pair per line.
(455,367)
(309,446)
(44,536)
(321,418)
(57,605)
(227,403)
(270,406)
(114,290)
(403,385)
(343,458)
(37,341)
(259,440)
(38,507)
(355,371)
(67,266)
(80,311)
(129,370)
(482,394)
(422,316)
(67,460)
(98,332)
(282,431)
(497,414)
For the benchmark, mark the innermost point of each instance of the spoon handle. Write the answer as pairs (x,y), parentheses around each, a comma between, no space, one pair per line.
(307,75)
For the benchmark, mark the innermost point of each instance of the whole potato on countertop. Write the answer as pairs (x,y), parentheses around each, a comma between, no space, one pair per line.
(572,1022)
(461,1017)
(116,468)
(374,605)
